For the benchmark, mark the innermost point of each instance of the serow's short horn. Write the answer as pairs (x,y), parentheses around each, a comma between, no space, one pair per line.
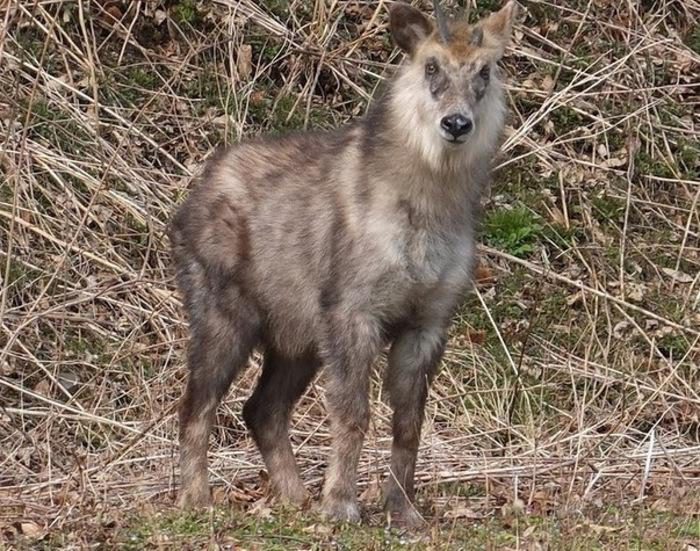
(441,22)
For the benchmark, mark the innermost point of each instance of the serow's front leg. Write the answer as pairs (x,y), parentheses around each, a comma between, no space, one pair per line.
(350,348)
(413,360)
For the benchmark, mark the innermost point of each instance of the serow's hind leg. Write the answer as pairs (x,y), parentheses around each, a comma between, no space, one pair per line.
(220,346)
(267,415)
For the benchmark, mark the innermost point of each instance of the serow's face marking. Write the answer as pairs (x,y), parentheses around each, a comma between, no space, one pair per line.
(456,88)
(452,70)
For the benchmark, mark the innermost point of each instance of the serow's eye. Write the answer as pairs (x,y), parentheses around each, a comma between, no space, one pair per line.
(431,67)
(485,73)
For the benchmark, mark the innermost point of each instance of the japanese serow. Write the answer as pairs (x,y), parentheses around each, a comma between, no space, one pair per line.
(322,248)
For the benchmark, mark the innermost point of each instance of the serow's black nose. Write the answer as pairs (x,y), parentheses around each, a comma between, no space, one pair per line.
(456,125)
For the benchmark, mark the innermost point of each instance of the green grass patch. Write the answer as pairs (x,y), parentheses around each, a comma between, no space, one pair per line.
(18,274)
(692,39)
(205,87)
(283,114)
(48,121)
(522,179)
(607,209)
(285,529)
(567,119)
(141,77)
(515,230)
(649,165)
(280,8)
(130,86)
(561,237)
(185,12)
(31,41)
(683,163)
(688,158)
(673,346)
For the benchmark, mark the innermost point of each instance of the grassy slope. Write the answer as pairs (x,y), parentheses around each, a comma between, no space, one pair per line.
(603,528)
(576,407)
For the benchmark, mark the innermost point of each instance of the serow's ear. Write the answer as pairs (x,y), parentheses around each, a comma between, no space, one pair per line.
(409,27)
(498,27)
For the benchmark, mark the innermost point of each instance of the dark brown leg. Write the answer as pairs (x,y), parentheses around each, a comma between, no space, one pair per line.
(220,346)
(267,414)
(413,360)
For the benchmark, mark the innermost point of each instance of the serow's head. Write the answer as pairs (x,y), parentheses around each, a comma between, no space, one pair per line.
(450,75)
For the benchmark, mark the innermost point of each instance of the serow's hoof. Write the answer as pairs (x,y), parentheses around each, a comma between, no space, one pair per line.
(341,510)
(198,499)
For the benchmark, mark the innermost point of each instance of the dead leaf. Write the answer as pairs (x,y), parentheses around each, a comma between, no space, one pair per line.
(677,275)
(68,379)
(462,512)
(318,529)
(511,511)
(614,162)
(223,120)
(483,274)
(43,388)
(31,529)
(573,299)
(159,16)
(110,13)
(244,63)
(600,236)
(558,216)
(261,509)
(475,337)
(114,12)
(620,328)
(540,502)
(6,368)
(635,292)
(257,98)
(372,492)
(549,128)
(548,83)
(600,529)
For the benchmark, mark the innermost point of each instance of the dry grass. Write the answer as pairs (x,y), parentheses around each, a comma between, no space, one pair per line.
(572,378)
